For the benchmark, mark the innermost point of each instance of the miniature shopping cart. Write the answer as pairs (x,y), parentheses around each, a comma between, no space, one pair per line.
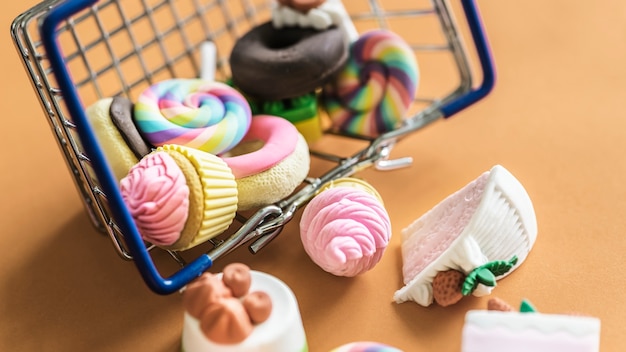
(78,51)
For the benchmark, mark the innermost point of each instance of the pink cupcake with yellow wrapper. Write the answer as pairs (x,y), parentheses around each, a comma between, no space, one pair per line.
(269,163)
(180,197)
(205,115)
(345,229)
(376,87)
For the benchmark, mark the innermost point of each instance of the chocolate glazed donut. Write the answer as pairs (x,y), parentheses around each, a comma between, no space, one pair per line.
(273,64)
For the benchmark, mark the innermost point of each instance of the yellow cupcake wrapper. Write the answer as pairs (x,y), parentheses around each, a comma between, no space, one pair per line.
(353,183)
(219,189)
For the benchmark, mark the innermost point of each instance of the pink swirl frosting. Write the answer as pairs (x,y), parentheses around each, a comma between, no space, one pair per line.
(345,231)
(156,193)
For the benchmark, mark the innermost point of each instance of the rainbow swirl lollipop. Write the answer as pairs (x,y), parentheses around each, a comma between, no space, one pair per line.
(199,114)
(373,92)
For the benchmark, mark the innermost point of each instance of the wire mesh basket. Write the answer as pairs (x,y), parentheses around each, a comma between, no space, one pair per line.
(78,51)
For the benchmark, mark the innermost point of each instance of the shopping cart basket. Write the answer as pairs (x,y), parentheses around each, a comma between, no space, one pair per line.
(78,51)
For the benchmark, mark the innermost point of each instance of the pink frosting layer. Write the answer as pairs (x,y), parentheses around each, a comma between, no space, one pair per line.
(497,339)
(345,231)
(438,228)
(279,138)
(157,197)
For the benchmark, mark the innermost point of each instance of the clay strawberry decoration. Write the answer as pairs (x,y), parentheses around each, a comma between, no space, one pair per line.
(447,287)
(499,305)
(486,274)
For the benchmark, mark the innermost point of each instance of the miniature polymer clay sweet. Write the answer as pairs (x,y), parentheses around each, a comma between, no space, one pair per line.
(241,310)
(465,243)
(500,328)
(345,228)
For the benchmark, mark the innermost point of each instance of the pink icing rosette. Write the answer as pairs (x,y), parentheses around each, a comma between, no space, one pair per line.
(345,230)
(156,193)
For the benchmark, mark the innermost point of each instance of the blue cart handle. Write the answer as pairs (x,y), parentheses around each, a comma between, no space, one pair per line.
(136,246)
(132,238)
(486,62)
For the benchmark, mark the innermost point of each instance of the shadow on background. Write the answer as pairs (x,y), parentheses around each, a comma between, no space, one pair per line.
(76,294)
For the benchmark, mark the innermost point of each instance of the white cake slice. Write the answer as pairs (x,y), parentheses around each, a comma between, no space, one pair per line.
(490,219)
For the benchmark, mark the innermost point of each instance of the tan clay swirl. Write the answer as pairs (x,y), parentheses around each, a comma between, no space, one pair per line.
(224,317)
(236,276)
(202,292)
(258,304)
(226,322)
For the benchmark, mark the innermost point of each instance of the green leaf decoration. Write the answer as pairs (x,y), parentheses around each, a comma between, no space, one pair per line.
(470,283)
(486,274)
(486,277)
(527,307)
(501,267)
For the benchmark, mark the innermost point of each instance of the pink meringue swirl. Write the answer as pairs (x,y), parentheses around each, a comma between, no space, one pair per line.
(345,230)
(156,193)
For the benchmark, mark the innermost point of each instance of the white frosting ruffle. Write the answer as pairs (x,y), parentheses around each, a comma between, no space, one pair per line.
(546,323)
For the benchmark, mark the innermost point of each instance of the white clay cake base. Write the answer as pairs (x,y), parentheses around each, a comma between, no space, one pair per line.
(494,331)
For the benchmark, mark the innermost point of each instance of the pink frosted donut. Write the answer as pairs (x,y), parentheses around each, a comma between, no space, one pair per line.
(205,115)
(279,139)
(267,174)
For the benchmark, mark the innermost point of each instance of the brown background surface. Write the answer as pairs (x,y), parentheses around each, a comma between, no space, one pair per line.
(555,120)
